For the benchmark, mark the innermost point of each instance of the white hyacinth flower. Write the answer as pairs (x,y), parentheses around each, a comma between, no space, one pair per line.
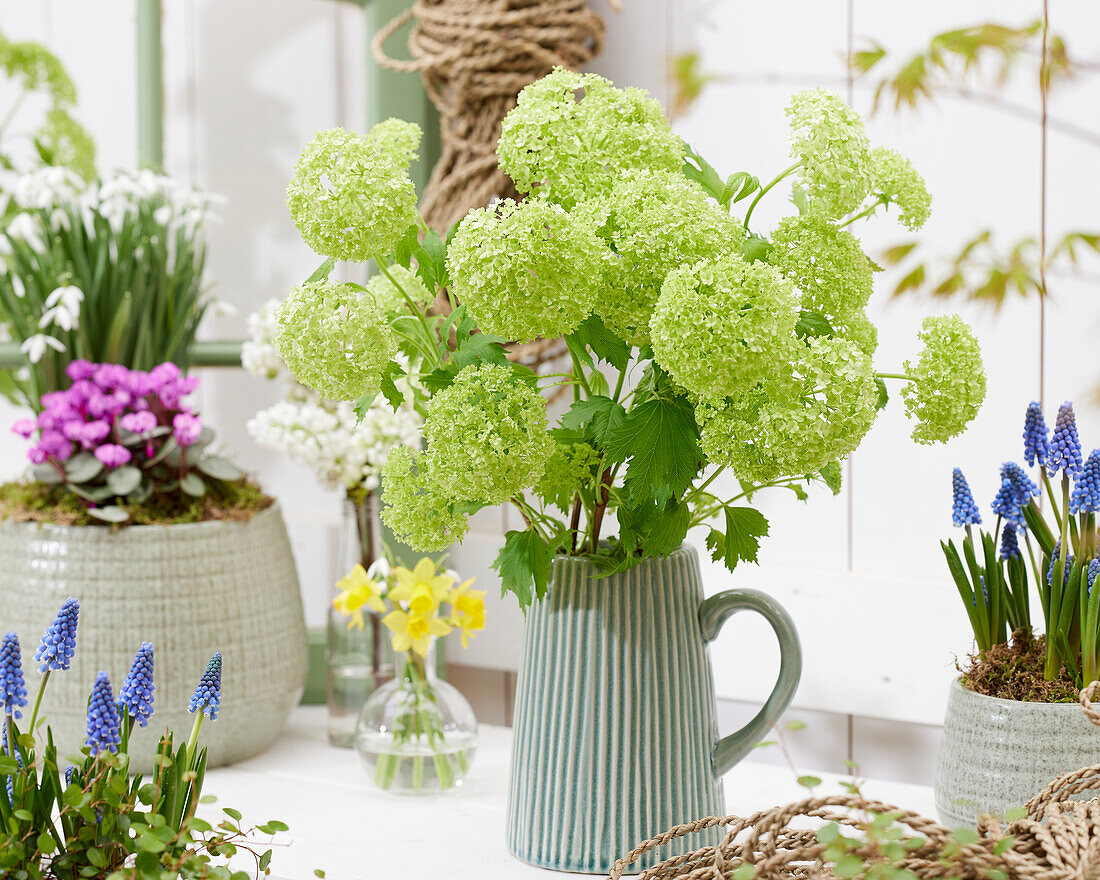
(35,347)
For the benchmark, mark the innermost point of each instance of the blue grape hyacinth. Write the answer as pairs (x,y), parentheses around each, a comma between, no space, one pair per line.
(1036,444)
(135,697)
(1094,570)
(1023,487)
(1065,446)
(964,512)
(1006,504)
(55,651)
(1053,561)
(1010,546)
(13,689)
(103,721)
(208,695)
(1086,493)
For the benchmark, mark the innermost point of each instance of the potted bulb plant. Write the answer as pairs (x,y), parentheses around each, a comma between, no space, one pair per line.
(698,345)
(1012,721)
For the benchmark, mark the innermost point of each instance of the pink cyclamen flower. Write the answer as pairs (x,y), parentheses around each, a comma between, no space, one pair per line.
(56,445)
(111,376)
(80,369)
(112,455)
(37,455)
(138,422)
(91,434)
(24,428)
(186,428)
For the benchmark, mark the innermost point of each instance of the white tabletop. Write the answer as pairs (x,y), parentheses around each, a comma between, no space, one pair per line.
(341,824)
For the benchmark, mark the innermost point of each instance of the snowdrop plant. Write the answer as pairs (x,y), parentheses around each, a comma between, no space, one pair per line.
(1028,544)
(700,343)
(109,272)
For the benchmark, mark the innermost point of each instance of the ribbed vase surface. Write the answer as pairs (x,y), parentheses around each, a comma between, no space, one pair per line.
(189,589)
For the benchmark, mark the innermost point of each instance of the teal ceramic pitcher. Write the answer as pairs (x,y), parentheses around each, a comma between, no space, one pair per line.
(615,731)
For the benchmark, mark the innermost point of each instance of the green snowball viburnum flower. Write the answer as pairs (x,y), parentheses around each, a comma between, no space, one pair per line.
(486,434)
(570,467)
(825,263)
(417,514)
(389,298)
(947,384)
(63,141)
(526,269)
(397,139)
(894,177)
(334,340)
(571,134)
(350,198)
(720,325)
(829,142)
(654,221)
(794,423)
(858,328)
(37,69)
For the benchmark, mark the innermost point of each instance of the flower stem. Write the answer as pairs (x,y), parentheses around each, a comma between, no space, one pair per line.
(905,377)
(38,698)
(192,742)
(785,173)
(866,212)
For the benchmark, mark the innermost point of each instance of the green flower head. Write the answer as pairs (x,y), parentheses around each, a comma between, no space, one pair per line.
(795,423)
(350,198)
(828,139)
(526,269)
(571,466)
(721,325)
(36,69)
(654,221)
(858,328)
(397,139)
(334,340)
(418,516)
(571,134)
(948,382)
(486,436)
(389,298)
(825,263)
(894,177)
(63,141)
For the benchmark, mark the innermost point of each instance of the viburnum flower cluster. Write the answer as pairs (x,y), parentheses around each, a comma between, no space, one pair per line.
(993,581)
(698,344)
(117,436)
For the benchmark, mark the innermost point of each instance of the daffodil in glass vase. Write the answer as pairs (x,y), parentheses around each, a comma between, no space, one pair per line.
(416,734)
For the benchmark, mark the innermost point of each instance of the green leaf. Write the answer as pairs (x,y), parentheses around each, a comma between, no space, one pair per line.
(755,249)
(389,389)
(809,781)
(883,394)
(407,246)
(46,843)
(744,871)
(193,485)
(796,725)
(111,513)
(234,814)
(847,866)
(812,323)
(702,172)
(738,186)
(322,272)
(97,857)
(832,475)
(964,835)
(124,480)
(265,860)
(660,439)
(218,468)
(46,473)
(599,415)
(83,467)
(740,543)
(523,563)
(605,345)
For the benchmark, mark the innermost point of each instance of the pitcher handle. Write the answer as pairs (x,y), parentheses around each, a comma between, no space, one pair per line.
(713,613)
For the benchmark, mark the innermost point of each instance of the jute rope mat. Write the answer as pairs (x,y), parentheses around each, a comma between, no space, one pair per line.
(1059,838)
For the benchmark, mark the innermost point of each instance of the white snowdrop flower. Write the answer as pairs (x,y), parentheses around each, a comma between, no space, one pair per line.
(59,219)
(34,347)
(163,215)
(23,374)
(69,297)
(60,317)
(17,286)
(26,228)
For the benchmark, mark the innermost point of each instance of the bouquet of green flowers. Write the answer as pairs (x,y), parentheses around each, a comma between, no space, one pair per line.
(698,344)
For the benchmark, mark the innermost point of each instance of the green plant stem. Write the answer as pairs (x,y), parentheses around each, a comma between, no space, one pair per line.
(531,517)
(905,377)
(578,369)
(192,742)
(1057,587)
(433,346)
(38,698)
(866,212)
(619,384)
(698,489)
(785,173)
(1050,493)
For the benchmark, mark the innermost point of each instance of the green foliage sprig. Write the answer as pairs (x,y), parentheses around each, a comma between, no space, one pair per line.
(697,345)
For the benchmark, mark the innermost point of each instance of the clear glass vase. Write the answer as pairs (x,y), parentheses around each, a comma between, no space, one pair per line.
(359,660)
(417,734)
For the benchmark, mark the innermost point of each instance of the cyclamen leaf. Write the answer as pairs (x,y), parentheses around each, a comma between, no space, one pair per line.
(523,563)
(661,441)
(218,468)
(193,485)
(124,480)
(109,514)
(83,467)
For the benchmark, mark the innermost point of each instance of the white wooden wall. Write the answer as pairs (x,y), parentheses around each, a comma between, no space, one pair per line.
(248,82)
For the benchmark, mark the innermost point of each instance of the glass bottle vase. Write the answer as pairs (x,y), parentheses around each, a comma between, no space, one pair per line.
(416,734)
(359,660)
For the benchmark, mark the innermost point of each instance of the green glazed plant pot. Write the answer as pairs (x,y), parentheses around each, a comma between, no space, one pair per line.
(615,731)
(998,754)
(191,590)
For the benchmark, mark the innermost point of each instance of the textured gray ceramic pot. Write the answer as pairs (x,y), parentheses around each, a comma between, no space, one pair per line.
(189,589)
(998,754)
(615,737)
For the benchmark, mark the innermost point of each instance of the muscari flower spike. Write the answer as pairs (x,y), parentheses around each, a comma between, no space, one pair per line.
(1053,557)
(13,690)
(55,651)
(136,694)
(1065,446)
(1086,492)
(1006,505)
(1010,547)
(103,721)
(964,512)
(1036,444)
(4,750)
(208,695)
(1093,571)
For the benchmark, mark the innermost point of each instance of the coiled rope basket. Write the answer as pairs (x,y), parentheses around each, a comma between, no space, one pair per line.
(1058,838)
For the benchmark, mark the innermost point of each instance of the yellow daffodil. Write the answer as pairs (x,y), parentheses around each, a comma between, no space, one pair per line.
(468,610)
(414,631)
(422,589)
(358,591)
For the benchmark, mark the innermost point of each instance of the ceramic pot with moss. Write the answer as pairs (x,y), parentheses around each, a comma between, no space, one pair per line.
(190,589)
(997,754)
